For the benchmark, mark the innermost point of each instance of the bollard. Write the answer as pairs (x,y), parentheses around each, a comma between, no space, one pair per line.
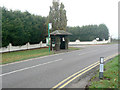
(101,68)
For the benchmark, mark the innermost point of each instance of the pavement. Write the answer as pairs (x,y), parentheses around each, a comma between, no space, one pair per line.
(47,71)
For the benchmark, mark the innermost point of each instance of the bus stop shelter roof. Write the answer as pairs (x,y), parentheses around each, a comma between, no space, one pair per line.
(60,32)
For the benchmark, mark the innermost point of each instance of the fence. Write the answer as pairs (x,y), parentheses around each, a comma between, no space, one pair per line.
(10,48)
(77,42)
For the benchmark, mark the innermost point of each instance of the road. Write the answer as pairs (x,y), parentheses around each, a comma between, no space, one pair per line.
(46,72)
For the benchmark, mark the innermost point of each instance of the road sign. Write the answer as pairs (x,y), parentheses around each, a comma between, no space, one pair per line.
(47,42)
(50,25)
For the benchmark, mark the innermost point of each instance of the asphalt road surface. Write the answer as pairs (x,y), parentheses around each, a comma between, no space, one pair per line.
(47,71)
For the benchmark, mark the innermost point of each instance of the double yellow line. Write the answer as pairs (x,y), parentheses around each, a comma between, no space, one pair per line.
(66,81)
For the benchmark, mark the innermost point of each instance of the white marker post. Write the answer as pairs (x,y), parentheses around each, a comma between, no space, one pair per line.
(101,67)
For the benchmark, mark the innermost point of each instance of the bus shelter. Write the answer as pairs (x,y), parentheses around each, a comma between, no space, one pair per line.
(59,40)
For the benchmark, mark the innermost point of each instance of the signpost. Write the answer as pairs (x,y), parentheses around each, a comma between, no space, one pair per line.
(101,67)
(49,27)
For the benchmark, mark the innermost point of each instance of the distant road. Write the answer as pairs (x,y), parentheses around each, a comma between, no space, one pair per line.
(48,71)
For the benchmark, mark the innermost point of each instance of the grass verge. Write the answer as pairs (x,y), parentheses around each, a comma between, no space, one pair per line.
(27,54)
(110,79)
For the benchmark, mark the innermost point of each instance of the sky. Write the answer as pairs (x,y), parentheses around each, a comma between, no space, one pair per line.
(79,12)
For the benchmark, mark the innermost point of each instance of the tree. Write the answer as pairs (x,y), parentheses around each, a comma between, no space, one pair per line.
(57,16)
(0,26)
(89,32)
(20,28)
(103,32)
(63,17)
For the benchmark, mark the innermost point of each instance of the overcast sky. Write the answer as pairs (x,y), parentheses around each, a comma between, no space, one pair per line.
(79,12)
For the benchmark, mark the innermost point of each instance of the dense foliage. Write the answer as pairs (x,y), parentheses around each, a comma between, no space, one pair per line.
(19,28)
(57,16)
(88,32)
(0,27)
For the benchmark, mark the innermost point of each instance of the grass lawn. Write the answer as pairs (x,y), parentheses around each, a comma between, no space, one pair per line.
(73,48)
(110,79)
(27,54)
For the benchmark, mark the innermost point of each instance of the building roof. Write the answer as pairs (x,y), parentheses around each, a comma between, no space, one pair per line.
(60,32)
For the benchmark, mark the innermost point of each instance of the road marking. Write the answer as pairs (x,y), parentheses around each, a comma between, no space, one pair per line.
(36,58)
(30,59)
(30,67)
(78,76)
(70,79)
(73,75)
(87,52)
(82,53)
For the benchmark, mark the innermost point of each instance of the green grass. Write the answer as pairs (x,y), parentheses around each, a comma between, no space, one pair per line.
(22,55)
(110,79)
(73,48)
(27,54)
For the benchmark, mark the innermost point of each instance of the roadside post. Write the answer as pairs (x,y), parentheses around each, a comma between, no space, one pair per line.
(101,68)
(49,27)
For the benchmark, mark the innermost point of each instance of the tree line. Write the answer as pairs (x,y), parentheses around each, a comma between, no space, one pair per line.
(89,32)
(20,28)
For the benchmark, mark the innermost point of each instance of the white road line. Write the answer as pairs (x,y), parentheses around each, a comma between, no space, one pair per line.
(87,52)
(30,59)
(82,53)
(30,67)
(36,58)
